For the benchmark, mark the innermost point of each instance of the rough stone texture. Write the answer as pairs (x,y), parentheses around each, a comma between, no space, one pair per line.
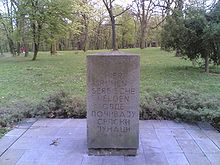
(70,145)
(113,103)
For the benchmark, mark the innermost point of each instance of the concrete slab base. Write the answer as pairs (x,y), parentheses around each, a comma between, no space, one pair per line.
(112,152)
(64,141)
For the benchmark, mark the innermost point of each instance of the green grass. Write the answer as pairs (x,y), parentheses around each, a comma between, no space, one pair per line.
(23,80)
(162,72)
(55,87)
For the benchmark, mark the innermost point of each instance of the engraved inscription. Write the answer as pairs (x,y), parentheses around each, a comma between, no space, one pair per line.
(113,95)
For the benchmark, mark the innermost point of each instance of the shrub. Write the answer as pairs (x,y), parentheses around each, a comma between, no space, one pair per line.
(180,105)
(61,105)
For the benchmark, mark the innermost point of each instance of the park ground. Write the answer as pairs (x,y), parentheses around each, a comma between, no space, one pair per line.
(171,88)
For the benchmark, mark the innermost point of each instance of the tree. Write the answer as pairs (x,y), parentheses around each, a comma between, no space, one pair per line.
(109,6)
(7,19)
(145,10)
(199,37)
(49,20)
(126,30)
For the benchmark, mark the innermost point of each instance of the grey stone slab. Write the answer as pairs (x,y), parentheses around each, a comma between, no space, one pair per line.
(190,126)
(67,132)
(41,132)
(42,123)
(205,126)
(6,142)
(159,124)
(27,163)
(113,160)
(207,146)
(11,157)
(30,143)
(143,124)
(16,132)
(189,146)
(92,160)
(26,123)
(32,156)
(76,123)
(214,158)
(197,134)
(169,144)
(181,134)
(113,101)
(152,146)
(176,159)
(197,159)
(140,149)
(72,159)
(148,133)
(203,149)
(49,123)
(156,159)
(164,133)
(75,146)
(173,124)
(55,157)
(135,160)
(212,134)
(217,143)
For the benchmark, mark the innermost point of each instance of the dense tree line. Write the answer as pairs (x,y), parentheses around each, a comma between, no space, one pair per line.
(33,25)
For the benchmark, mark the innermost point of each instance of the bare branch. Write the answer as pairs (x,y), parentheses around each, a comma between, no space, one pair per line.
(159,23)
(122,12)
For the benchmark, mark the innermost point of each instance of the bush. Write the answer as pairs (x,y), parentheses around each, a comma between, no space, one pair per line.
(180,105)
(61,105)
(58,105)
(14,113)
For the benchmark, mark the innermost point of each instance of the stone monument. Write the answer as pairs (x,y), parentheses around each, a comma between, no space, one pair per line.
(113,103)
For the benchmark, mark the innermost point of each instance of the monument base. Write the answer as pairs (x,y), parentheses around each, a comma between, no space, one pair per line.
(112,152)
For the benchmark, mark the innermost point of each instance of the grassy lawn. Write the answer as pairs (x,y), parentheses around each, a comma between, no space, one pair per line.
(23,80)
(31,81)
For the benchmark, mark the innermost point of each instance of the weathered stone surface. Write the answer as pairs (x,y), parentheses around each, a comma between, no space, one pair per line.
(113,101)
(196,159)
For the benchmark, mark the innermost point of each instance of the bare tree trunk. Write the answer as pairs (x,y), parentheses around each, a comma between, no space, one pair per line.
(26,49)
(86,31)
(143,25)
(18,48)
(178,53)
(143,38)
(12,47)
(36,38)
(114,46)
(53,49)
(207,63)
(36,49)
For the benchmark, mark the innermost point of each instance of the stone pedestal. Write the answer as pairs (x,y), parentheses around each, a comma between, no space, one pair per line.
(113,104)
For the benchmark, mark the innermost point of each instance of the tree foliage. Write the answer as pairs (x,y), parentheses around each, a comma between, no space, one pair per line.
(43,25)
(196,34)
